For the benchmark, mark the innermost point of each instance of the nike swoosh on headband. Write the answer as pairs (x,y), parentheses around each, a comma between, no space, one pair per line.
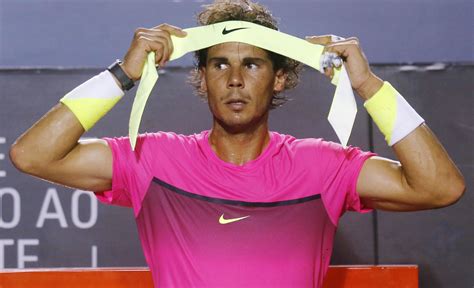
(343,108)
(225,31)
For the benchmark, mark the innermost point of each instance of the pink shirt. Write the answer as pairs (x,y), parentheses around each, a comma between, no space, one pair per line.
(204,222)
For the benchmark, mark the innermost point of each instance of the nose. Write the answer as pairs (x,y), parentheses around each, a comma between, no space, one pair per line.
(235,79)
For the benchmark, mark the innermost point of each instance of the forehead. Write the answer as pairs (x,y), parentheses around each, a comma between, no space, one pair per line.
(236,49)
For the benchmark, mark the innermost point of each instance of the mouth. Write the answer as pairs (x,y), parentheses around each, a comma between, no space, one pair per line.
(236,104)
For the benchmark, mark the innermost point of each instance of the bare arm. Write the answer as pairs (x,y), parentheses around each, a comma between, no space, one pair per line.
(51,149)
(425,177)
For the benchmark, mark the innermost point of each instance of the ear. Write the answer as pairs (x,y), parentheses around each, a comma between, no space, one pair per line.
(202,75)
(280,80)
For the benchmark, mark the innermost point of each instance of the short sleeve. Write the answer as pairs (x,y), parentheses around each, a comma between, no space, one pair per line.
(340,170)
(131,173)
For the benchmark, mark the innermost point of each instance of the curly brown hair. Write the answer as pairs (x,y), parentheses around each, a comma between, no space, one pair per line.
(244,10)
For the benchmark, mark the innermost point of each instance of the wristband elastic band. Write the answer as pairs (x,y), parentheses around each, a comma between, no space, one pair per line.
(91,100)
(392,114)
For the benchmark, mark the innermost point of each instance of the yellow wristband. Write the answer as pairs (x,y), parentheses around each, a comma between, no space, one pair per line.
(392,114)
(91,100)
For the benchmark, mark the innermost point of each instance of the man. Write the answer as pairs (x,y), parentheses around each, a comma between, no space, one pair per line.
(238,205)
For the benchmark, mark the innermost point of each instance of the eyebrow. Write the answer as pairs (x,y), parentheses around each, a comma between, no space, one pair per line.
(245,60)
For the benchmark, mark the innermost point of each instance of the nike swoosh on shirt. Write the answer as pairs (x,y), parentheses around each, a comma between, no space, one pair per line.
(225,31)
(222,220)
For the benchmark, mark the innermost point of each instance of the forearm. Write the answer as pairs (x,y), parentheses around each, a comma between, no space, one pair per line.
(427,167)
(425,176)
(369,87)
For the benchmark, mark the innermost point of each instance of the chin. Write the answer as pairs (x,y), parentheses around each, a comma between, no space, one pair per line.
(241,125)
(233,125)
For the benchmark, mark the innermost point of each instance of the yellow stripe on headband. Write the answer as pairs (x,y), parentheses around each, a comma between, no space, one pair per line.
(343,108)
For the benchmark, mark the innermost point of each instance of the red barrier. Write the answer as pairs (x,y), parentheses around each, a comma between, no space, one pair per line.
(388,276)
(359,276)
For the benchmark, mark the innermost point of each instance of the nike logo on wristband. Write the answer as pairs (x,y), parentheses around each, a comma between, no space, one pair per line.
(222,220)
(225,31)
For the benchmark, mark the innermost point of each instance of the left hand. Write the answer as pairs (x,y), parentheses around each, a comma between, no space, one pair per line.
(362,79)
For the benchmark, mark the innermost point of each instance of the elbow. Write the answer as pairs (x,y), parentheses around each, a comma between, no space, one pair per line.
(452,194)
(20,160)
(458,192)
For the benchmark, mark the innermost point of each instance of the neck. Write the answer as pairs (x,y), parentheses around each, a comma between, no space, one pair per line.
(239,147)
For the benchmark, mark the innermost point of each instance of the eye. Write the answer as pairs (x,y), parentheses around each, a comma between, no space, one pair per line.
(251,66)
(220,66)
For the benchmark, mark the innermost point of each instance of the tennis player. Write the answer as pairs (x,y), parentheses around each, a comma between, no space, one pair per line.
(239,205)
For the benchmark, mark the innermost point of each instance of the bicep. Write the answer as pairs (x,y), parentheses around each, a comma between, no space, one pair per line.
(88,167)
(382,185)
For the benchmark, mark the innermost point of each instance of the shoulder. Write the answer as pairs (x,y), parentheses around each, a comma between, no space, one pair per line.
(315,146)
(167,138)
(303,144)
(151,141)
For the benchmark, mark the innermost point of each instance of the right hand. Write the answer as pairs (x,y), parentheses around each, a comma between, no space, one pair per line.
(156,39)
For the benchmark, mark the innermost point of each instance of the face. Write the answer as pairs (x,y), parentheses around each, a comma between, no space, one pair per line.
(239,81)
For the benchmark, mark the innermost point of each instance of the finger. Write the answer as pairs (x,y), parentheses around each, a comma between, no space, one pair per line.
(321,40)
(164,53)
(335,38)
(152,45)
(162,32)
(164,38)
(352,41)
(173,30)
(167,47)
(166,30)
(157,43)
(342,48)
(329,72)
(324,39)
